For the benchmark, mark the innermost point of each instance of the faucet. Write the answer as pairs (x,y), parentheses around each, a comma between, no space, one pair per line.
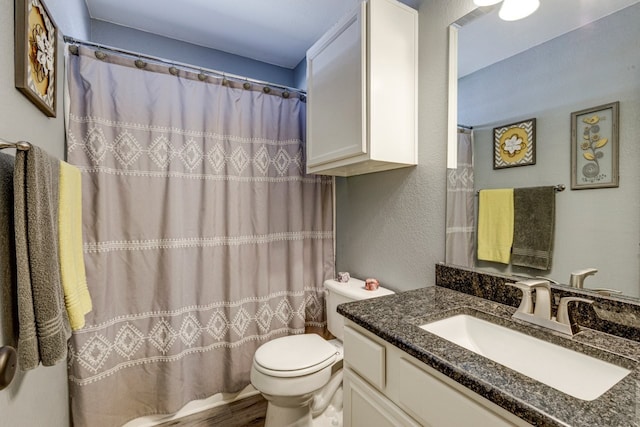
(539,312)
(577,277)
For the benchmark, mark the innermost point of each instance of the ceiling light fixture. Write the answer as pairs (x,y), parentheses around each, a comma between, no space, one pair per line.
(512,10)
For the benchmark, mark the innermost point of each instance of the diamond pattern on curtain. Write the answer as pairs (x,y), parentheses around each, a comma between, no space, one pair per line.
(203,237)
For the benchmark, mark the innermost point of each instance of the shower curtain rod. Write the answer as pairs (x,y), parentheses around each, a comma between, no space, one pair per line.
(18,145)
(557,188)
(189,67)
(465,127)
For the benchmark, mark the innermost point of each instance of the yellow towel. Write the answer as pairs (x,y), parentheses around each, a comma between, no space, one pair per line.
(495,225)
(72,273)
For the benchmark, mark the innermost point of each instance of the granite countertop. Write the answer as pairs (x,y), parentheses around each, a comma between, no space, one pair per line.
(396,319)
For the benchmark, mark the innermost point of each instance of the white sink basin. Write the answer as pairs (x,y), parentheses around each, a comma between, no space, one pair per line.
(573,373)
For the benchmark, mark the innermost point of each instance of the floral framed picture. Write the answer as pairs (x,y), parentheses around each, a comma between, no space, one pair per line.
(36,39)
(594,147)
(514,145)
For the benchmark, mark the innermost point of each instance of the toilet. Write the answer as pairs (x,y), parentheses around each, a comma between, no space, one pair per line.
(300,376)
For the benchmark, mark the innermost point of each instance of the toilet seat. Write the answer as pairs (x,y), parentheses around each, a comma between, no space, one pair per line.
(294,356)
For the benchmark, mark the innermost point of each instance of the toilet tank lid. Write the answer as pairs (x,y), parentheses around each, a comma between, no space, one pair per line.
(354,289)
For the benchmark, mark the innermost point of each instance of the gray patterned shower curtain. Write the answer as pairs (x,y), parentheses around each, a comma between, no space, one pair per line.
(203,238)
(460,226)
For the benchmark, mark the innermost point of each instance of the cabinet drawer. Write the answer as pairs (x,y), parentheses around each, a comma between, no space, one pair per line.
(365,356)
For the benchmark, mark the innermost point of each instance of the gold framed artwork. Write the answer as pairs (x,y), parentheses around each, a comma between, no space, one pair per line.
(36,40)
(594,147)
(514,145)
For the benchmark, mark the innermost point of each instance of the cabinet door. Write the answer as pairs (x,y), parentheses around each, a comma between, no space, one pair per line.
(436,403)
(336,86)
(365,407)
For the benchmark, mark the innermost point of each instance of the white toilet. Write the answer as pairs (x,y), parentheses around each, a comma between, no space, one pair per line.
(301,375)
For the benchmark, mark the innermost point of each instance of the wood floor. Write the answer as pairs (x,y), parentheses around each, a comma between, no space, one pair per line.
(249,412)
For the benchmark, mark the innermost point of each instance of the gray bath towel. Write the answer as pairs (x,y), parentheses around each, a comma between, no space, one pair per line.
(8,302)
(534,211)
(43,323)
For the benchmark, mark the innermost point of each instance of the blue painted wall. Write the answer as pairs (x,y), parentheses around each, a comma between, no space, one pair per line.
(139,41)
(300,75)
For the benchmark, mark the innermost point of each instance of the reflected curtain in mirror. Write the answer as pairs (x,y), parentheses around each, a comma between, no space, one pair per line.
(460,247)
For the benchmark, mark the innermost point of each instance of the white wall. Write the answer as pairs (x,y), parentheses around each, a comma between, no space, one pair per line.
(594,65)
(38,397)
(390,225)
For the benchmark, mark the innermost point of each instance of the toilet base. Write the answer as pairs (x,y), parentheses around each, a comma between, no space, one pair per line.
(290,412)
(296,412)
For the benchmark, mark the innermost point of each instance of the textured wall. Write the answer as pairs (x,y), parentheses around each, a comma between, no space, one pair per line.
(39,397)
(163,47)
(594,65)
(390,225)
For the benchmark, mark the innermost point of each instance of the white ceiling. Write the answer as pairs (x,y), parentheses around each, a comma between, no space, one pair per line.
(487,39)
(277,32)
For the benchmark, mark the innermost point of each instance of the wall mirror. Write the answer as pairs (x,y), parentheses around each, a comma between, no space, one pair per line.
(548,66)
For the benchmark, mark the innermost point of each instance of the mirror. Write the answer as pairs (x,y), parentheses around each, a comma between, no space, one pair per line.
(595,62)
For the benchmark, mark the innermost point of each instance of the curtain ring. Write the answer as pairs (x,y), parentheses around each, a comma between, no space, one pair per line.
(100,55)
(285,94)
(225,82)
(246,85)
(303,98)
(73,49)
(140,63)
(173,71)
(202,76)
(266,89)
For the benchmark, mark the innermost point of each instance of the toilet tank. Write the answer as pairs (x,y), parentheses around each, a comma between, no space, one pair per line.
(338,293)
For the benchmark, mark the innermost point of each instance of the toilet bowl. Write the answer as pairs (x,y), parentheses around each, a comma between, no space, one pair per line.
(300,376)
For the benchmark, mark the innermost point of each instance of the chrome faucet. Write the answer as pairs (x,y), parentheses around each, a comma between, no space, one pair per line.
(577,277)
(539,312)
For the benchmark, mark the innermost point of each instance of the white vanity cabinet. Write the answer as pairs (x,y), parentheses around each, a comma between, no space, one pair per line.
(384,386)
(362,86)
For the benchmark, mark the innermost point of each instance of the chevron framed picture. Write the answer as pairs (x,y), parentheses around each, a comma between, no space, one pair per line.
(514,144)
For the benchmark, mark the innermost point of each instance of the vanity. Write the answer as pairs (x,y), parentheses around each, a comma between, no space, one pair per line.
(397,373)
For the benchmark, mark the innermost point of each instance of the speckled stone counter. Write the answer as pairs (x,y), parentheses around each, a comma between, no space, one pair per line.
(396,319)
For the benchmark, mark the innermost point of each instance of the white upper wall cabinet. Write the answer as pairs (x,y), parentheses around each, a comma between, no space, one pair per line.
(362,86)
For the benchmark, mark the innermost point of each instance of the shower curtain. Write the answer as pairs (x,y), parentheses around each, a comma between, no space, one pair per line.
(460,222)
(203,238)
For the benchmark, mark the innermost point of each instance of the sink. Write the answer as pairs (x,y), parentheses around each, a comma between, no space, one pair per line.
(573,373)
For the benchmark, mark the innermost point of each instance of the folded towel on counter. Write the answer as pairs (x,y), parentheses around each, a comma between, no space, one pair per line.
(534,224)
(495,225)
(43,322)
(8,302)
(72,272)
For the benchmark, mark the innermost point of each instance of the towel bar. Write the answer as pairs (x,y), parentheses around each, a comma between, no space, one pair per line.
(8,363)
(19,145)
(557,188)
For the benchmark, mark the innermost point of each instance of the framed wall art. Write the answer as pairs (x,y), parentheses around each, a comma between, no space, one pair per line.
(514,145)
(594,147)
(36,39)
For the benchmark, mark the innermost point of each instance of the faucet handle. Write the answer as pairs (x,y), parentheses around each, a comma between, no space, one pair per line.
(577,277)
(563,308)
(526,303)
(527,286)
